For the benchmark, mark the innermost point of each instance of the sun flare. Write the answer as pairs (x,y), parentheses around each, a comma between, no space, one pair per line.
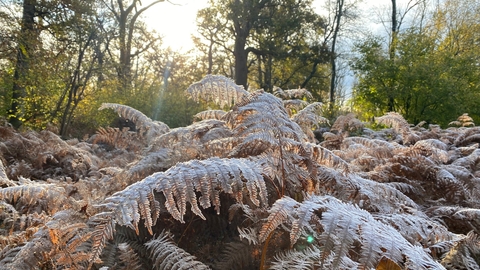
(175,21)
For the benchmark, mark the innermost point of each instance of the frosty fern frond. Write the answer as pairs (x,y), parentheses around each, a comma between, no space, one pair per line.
(146,126)
(217,88)
(179,185)
(343,227)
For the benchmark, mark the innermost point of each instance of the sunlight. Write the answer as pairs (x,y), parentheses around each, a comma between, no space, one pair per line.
(175,21)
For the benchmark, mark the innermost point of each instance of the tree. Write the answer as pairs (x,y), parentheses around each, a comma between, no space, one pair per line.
(211,28)
(340,14)
(287,39)
(434,71)
(263,37)
(126,16)
(48,33)
(244,15)
(26,43)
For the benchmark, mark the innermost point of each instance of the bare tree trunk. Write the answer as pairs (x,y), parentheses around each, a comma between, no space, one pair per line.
(392,49)
(77,85)
(244,15)
(126,23)
(26,43)
(333,54)
(241,66)
(210,55)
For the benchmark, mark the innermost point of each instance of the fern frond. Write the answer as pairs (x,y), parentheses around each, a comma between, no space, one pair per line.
(128,258)
(292,93)
(465,254)
(394,120)
(210,114)
(4,181)
(294,105)
(434,148)
(236,256)
(104,229)
(278,215)
(250,234)
(49,196)
(400,125)
(457,219)
(190,139)
(179,184)
(146,126)
(463,120)
(222,147)
(343,227)
(416,229)
(60,236)
(121,139)
(469,140)
(469,161)
(217,88)
(154,161)
(304,259)
(348,123)
(309,118)
(167,255)
(326,157)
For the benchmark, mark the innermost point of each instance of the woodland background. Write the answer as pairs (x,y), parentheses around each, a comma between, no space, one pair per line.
(271,178)
(61,59)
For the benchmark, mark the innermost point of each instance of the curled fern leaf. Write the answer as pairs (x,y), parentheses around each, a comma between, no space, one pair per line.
(144,124)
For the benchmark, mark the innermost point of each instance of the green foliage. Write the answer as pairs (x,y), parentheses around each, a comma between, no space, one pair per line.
(434,74)
(426,83)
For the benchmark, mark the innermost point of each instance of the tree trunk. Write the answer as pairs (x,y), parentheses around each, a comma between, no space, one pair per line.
(26,43)
(241,65)
(333,55)
(126,21)
(392,49)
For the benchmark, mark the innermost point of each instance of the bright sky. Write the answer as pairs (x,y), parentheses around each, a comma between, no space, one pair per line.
(175,19)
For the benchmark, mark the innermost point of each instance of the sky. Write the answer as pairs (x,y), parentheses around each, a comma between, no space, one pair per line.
(175,19)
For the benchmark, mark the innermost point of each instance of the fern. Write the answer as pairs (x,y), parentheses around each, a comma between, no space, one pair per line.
(343,225)
(219,89)
(4,181)
(210,114)
(146,126)
(49,196)
(178,186)
(403,197)
(400,125)
(166,255)
(465,254)
(292,93)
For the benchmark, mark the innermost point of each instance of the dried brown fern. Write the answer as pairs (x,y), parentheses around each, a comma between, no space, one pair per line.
(347,123)
(57,244)
(345,227)
(121,139)
(179,185)
(463,120)
(465,254)
(217,88)
(400,125)
(292,93)
(359,202)
(145,126)
(210,114)
(167,255)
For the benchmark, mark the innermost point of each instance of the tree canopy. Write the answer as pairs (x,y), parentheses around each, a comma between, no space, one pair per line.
(60,60)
